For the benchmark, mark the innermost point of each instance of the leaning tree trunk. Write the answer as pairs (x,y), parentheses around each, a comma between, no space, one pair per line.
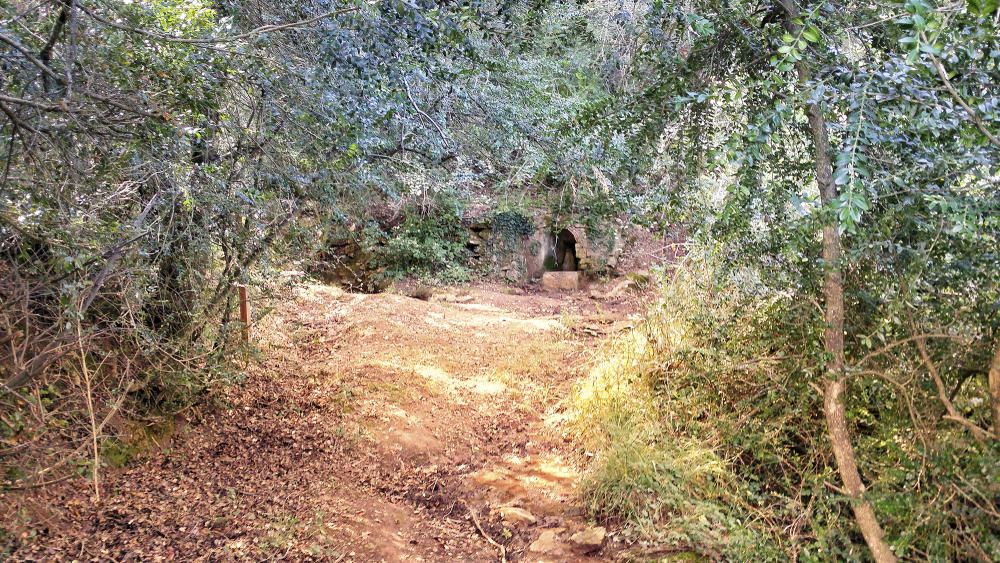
(833,339)
(834,408)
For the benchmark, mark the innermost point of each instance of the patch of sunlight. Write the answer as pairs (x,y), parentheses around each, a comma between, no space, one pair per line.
(548,476)
(527,325)
(485,386)
(616,392)
(479,307)
(393,410)
(513,459)
(435,374)
(540,325)
(476,385)
(556,419)
(492,320)
(553,468)
(547,465)
(437,320)
(604,378)
(320,292)
(528,381)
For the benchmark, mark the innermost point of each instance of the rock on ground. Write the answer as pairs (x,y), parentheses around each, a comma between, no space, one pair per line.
(517,515)
(588,540)
(548,542)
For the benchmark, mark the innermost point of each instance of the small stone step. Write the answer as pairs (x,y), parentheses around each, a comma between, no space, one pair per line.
(561,281)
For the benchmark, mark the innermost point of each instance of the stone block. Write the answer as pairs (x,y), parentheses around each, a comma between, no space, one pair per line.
(562,281)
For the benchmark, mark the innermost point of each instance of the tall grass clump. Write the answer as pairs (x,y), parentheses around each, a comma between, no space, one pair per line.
(652,469)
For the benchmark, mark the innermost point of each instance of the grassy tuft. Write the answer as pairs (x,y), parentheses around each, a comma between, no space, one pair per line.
(666,487)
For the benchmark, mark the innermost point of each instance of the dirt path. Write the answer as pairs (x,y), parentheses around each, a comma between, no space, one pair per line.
(375,428)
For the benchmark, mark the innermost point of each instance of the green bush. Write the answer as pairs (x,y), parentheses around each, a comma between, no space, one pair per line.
(429,244)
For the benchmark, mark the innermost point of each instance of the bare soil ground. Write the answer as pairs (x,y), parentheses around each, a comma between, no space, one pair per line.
(374,428)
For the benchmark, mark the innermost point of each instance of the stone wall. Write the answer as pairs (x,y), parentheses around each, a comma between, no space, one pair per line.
(525,254)
(510,246)
(597,250)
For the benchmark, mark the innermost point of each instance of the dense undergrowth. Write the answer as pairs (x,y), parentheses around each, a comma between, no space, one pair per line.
(706,430)
(429,244)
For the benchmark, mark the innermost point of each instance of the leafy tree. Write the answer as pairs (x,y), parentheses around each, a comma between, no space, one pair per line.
(847,150)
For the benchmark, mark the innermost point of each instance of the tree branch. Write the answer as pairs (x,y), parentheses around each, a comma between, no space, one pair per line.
(64,108)
(953,414)
(422,113)
(46,53)
(978,121)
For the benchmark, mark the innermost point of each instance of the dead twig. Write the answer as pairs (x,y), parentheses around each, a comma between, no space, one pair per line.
(475,520)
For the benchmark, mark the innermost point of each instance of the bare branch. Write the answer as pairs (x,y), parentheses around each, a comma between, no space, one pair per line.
(62,107)
(888,347)
(953,413)
(423,113)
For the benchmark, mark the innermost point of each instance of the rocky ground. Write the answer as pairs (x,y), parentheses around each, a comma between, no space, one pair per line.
(374,428)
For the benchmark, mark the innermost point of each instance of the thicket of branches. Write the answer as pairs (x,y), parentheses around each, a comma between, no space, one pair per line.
(157,154)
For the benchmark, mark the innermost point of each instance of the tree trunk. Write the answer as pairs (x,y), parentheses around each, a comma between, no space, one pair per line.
(833,337)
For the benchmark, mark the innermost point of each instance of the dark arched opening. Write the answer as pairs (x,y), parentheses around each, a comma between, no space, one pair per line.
(566,251)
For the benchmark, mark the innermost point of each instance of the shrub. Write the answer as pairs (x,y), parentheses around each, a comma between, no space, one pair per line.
(429,244)
(707,434)
(667,485)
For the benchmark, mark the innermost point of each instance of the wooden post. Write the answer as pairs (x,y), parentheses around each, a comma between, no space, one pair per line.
(244,312)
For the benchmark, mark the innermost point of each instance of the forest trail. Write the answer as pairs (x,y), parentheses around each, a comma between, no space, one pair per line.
(372,429)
